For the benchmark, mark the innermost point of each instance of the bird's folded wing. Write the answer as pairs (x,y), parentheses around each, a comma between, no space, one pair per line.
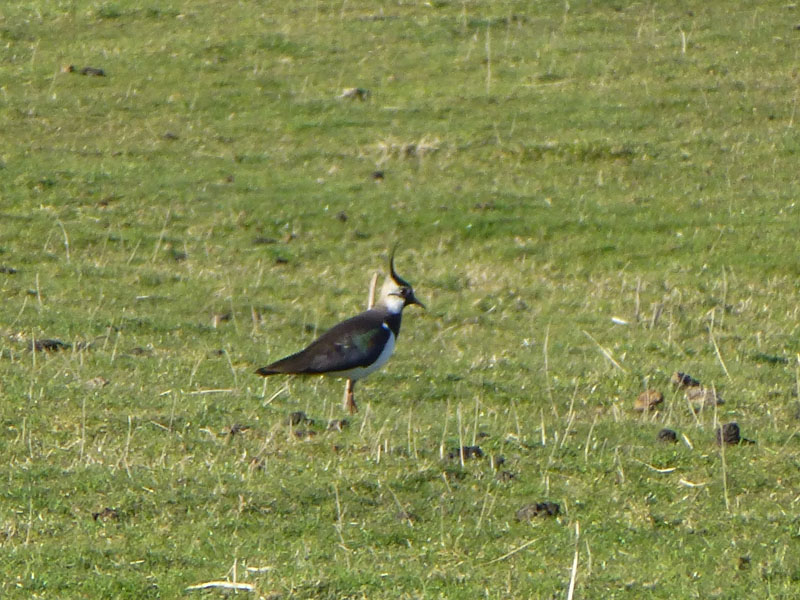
(357,342)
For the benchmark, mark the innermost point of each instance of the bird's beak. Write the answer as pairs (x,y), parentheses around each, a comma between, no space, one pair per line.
(413,300)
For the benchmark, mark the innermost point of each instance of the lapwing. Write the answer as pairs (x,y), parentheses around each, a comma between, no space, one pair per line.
(358,346)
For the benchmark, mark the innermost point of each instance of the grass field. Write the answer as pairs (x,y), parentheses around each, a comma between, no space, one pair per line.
(588,196)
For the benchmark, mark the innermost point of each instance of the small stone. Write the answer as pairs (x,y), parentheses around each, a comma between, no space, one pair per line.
(468,452)
(539,509)
(683,380)
(667,435)
(648,400)
(701,397)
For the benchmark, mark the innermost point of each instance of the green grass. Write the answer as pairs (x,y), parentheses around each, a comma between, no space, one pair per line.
(547,166)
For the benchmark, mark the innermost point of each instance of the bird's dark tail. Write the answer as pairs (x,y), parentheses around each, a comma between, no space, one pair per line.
(266,371)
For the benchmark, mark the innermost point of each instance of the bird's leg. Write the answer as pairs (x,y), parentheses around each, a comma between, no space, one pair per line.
(349,400)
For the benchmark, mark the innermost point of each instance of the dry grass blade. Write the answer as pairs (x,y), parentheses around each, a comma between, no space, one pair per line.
(656,469)
(574,571)
(222,585)
(692,484)
(605,352)
(513,552)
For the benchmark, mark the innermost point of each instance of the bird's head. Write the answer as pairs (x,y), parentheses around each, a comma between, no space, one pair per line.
(396,292)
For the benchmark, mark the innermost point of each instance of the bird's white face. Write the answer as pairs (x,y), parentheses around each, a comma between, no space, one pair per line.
(392,296)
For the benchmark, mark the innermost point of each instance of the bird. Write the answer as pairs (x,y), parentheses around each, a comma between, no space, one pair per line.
(357,346)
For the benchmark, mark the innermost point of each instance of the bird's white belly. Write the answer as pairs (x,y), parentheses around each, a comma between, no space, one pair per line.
(360,372)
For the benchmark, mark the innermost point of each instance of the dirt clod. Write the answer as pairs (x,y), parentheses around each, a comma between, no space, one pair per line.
(683,380)
(648,400)
(505,476)
(468,452)
(236,428)
(338,424)
(730,434)
(106,514)
(538,509)
(296,418)
(97,382)
(667,435)
(701,397)
(355,93)
(48,345)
